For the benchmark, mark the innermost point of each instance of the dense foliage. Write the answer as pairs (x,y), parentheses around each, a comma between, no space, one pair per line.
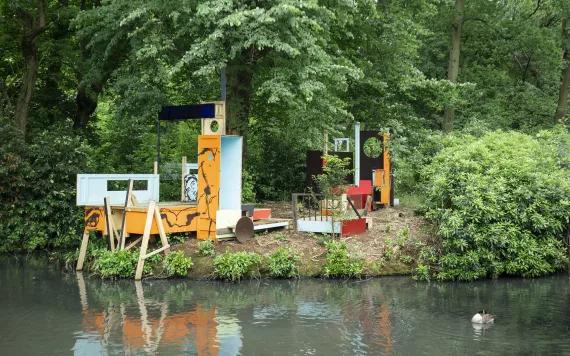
(283,263)
(37,191)
(206,248)
(502,204)
(235,266)
(176,265)
(342,262)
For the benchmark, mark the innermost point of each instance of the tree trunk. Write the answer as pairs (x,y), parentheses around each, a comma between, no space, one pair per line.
(239,79)
(562,108)
(34,27)
(453,68)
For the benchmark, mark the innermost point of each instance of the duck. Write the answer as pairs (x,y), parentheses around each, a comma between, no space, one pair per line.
(482,318)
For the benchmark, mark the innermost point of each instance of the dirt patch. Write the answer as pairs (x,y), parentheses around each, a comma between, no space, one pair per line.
(386,223)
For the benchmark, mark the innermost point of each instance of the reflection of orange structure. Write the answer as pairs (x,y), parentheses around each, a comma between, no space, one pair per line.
(383,328)
(147,333)
(169,330)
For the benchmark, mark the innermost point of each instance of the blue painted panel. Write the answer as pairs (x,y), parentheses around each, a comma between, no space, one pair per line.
(230,173)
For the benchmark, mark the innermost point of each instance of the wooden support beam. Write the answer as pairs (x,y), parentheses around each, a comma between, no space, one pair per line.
(109,223)
(155,170)
(124,224)
(161,231)
(145,238)
(163,248)
(83,250)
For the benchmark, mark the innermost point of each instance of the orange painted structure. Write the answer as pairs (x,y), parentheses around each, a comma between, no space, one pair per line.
(199,217)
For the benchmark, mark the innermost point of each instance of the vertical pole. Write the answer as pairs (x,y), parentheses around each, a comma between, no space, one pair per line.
(109,223)
(158,146)
(326,149)
(294,203)
(183,189)
(356,154)
(155,170)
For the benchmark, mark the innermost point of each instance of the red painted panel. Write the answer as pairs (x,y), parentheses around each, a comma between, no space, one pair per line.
(353,227)
(261,213)
(364,187)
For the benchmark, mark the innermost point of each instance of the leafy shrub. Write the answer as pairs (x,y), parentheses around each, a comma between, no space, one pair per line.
(177,265)
(206,248)
(235,266)
(283,263)
(119,264)
(341,263)
(37,190)
(248,188)
(502,205)
(174,239)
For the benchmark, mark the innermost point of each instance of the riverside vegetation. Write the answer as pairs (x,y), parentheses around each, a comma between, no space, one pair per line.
(479,143)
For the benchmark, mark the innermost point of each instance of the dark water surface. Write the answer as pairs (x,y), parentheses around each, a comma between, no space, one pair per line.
(44,311)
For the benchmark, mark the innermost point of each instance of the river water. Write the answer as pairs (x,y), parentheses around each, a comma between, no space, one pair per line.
(45,311)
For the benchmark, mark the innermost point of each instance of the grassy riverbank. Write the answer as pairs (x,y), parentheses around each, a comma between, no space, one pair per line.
(396,244)
(391,246)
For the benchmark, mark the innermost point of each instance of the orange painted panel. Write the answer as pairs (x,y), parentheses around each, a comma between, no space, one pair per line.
(174,219)
(385,190)
(209,158)
(94,218)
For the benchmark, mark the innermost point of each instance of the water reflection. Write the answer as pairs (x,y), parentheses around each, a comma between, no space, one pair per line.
(479,330)
(229,319)
(47,311)
(148,327)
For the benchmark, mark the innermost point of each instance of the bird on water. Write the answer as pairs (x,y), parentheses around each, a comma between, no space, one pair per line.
(482,318)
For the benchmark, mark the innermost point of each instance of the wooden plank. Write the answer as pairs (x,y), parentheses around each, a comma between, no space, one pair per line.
(155,170)
(109,223)
(163,248)
(134,200)
(145,238)
(161,231)
(83,250)
(124,224)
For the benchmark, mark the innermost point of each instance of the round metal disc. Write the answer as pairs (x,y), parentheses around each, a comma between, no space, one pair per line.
(244,229)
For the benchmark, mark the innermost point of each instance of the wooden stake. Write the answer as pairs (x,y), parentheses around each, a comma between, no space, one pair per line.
(183,192)
(326,148)
(83,250)
(155,171)
(109,223)
(124,224)
(161,232)
(145,238)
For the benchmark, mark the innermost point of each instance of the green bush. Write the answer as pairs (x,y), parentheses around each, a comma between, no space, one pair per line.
(119,264)
(235,266)
(37,190)
(283,263)
(206,248)
(340,262)
(501,204)
(177,265)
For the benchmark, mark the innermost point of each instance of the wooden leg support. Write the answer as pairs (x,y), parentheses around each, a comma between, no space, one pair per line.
(83,250)
(161,232)
(145,238)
